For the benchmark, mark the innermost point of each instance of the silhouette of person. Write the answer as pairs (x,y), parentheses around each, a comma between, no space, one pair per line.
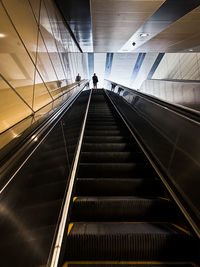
(95,81)
(78,79)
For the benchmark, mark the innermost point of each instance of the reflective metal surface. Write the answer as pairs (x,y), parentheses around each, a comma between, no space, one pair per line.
(184,93)
(167,14)
(38,58)
(18,131)
(167,135)
(114,22)
(30,204)
(182,35)
(77,15)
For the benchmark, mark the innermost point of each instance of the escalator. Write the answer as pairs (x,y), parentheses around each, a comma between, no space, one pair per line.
(121,213)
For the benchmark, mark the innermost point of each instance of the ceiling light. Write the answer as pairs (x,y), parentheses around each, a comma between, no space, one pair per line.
(2,35)
(144,34)
(191,50)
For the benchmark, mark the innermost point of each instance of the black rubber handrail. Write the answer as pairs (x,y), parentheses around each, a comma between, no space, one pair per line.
(187,112)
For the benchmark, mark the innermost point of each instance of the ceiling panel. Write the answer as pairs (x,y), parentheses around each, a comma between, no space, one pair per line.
(182,35)
(166,15)
(115,21)
(77,15)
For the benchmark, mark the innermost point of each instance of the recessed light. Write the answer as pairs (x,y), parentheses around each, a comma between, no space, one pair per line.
(2,35)
(144,34)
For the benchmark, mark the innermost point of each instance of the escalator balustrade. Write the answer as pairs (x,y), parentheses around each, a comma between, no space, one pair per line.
(121,213)
(31,203)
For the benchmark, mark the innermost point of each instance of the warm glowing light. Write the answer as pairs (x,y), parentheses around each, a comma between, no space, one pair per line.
(34,138)
(144,34)
(2,35)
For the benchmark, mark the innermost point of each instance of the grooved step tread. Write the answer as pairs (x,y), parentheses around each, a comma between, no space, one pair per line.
(129,264)
(122,209)
(118,187)
(118,170)
(109,147)
(102,128)
(105,132)
(128,241)
(110,157)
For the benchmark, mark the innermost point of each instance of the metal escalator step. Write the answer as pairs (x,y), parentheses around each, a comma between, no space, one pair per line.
(102,123)
(114,170)
(128,241)
(105,112)
(101,127)
(129,264)
(109,147)
(107,139)
(118,187)
(100,117)
(105,132)
(122,209)
(111,119)
(111,157)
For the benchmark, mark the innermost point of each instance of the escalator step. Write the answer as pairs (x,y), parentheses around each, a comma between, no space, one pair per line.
(122,209)
(129,264)
(105,132)
(110,147)
(90,123)
(117,170)
(101,127)
(107,139)
(128,241)
(111,157)
(110,119)
(118,187)
(100,117)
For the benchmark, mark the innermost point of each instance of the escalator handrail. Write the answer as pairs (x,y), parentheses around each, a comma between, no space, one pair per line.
(186,112)
(11,161)
(67,199)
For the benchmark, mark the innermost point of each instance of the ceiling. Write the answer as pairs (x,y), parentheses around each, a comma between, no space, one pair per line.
(151,25)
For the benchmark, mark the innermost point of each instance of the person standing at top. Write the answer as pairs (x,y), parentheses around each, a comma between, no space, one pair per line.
(78,79)
(95,80)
